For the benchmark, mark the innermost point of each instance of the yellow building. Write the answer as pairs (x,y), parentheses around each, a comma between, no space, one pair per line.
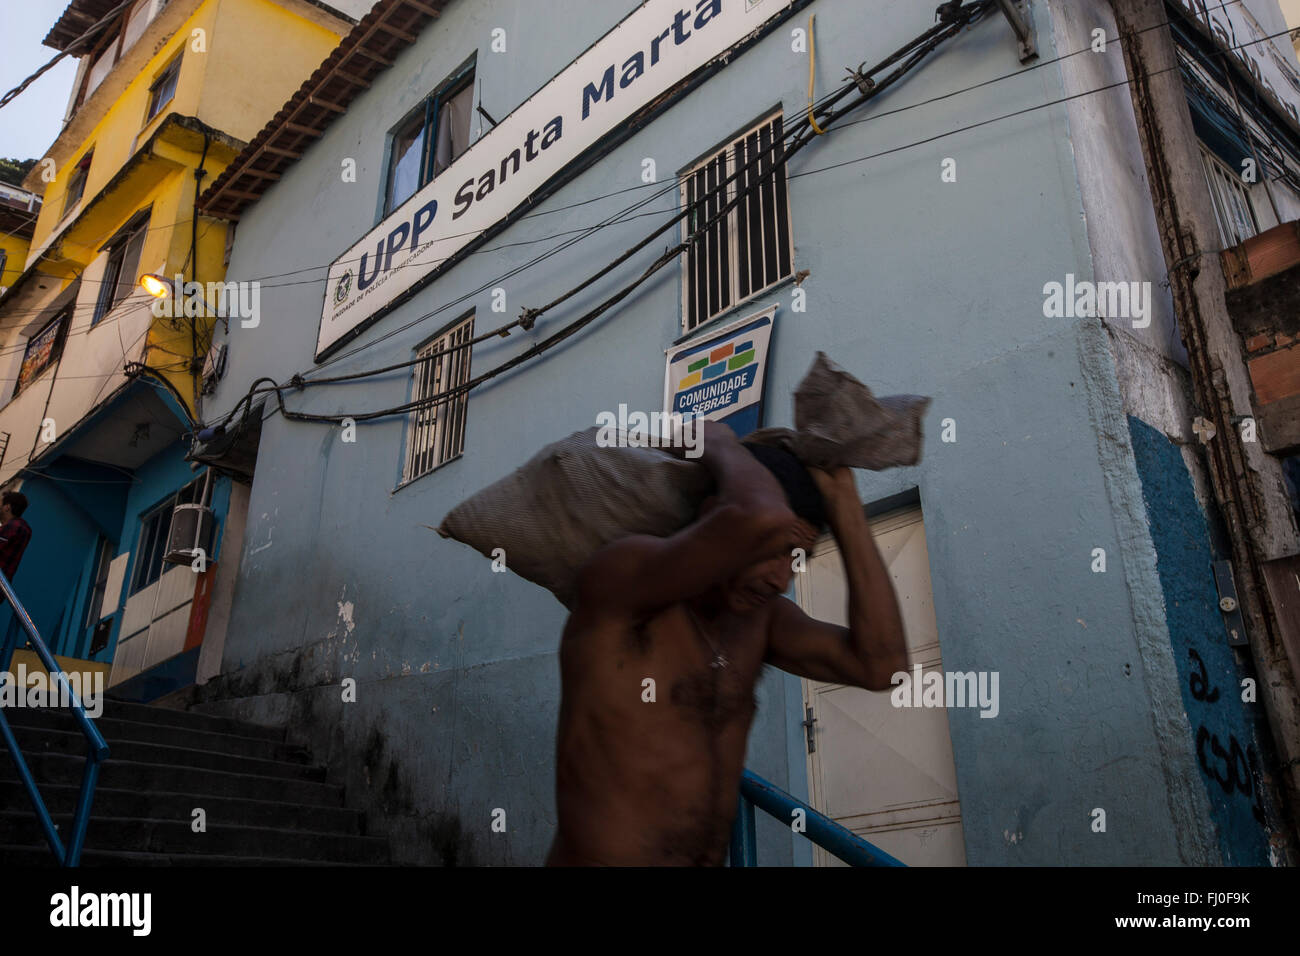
(99,382)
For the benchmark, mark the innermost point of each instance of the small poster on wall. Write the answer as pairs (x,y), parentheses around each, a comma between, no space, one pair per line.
(720,377)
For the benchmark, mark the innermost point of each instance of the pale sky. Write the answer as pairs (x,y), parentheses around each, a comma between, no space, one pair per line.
(29,124)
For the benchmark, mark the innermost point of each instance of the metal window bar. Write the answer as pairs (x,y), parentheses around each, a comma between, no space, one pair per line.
(1215,204)
(68,854)
(423,418)
(437,432)
(1232,209)
(821,829)
(751,249)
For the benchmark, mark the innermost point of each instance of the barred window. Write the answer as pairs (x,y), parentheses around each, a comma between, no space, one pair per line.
(751,248)
(1232,209)
(436,432)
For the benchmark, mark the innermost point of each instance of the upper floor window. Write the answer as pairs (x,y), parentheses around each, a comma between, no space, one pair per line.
(430,139)
(123,263)
(751,247)
(436,432)
(163,88)
(141,15)
(77,184)
(1232,209)
(112,43)
(44,348)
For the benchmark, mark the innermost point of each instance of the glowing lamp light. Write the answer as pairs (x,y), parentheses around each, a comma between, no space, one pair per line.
(156,286)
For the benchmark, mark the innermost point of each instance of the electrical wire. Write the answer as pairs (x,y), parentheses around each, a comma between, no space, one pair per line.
(1038,64)
(67,50)
(674,186)
(908,57)
(455,392)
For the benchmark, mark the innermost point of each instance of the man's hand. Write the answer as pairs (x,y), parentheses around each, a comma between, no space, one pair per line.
(872,648)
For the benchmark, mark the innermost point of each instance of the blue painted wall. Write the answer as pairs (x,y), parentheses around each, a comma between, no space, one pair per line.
(916,286)
(1225,726)
(71,504)
(46,576)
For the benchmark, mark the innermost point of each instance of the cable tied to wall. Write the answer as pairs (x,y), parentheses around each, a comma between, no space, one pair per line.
(907,57)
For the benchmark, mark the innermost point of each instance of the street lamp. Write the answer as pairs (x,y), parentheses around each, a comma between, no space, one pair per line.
(157,286)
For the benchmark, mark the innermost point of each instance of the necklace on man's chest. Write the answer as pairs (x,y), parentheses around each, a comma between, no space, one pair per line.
(719,659)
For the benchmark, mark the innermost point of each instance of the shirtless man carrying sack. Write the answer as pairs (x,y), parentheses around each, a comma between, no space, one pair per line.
(643,783)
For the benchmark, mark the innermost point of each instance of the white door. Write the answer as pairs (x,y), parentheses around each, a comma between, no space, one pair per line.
(884,772)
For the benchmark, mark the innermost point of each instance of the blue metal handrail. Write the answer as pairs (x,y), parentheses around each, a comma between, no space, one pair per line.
(97,749)
(821,829)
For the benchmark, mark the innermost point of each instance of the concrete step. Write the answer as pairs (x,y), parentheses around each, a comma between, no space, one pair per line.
(36,741)
(51,768)
(19,828)
(27,722)
(62,799)
(125,710)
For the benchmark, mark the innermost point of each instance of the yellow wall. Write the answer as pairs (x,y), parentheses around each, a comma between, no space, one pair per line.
(16,250)
(68,664)
(254,41)
(122,128)
(255,54)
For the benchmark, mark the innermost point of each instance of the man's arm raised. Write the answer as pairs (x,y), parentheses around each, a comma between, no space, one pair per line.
(750,520)
(872,648)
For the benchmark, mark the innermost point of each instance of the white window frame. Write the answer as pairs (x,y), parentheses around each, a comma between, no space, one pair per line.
(732,230)
(1224,187)
(435,434)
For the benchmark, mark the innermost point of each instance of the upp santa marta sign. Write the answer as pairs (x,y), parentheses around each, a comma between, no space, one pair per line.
(649,52)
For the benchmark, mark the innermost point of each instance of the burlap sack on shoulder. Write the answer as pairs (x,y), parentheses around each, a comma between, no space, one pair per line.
(574,497)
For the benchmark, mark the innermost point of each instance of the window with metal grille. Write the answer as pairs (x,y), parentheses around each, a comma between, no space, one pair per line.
(749,249)
(436,432)
(1231,202)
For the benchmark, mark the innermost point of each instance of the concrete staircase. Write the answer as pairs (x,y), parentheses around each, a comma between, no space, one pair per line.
(266,803)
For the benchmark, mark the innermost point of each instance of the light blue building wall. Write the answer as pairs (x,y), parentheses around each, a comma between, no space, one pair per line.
(915,285)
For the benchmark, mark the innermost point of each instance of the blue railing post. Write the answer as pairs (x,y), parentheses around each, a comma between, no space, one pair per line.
(821,829)
(96,748)
(744,845)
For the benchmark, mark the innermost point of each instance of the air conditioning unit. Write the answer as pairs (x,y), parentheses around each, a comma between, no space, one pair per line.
(191,530)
